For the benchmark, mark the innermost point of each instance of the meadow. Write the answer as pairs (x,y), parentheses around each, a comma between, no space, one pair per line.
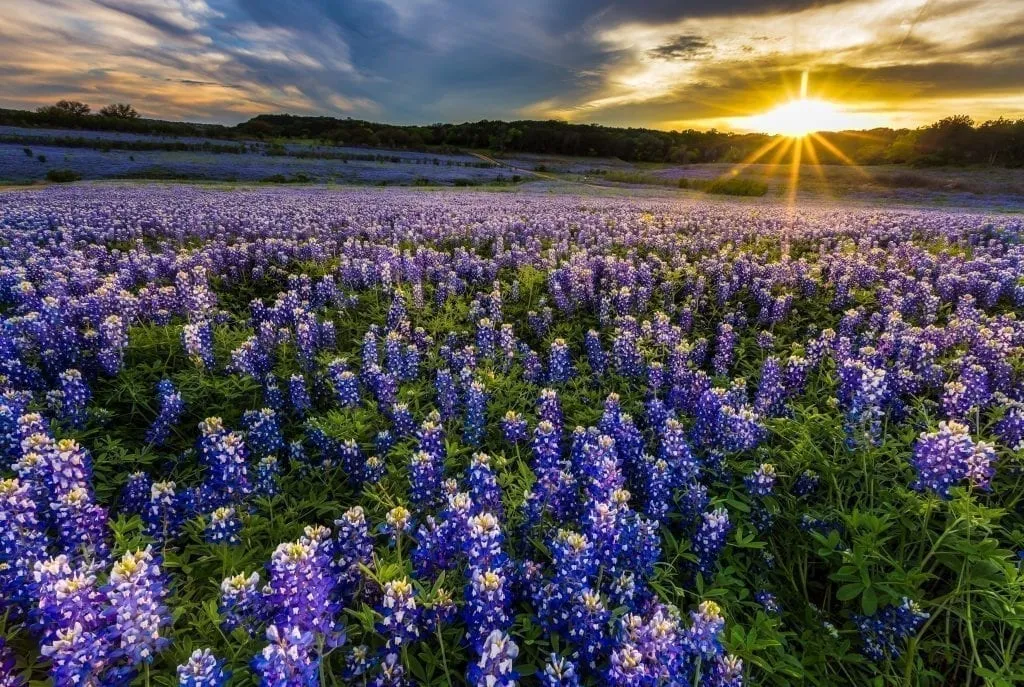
(313,436)
(37,155)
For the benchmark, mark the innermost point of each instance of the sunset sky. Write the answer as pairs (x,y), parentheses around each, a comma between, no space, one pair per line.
(665,64)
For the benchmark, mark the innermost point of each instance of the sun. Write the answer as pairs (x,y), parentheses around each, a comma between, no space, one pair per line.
(801,117)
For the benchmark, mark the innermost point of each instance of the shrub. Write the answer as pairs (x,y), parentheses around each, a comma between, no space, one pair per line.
(62,176)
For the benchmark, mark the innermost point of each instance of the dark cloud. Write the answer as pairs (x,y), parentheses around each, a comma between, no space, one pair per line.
(470,59)
(681,48)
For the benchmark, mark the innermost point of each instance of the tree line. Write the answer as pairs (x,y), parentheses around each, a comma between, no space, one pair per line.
(956,140)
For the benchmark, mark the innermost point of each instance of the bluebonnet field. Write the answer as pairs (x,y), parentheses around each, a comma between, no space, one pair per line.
(304,437)
(27,155)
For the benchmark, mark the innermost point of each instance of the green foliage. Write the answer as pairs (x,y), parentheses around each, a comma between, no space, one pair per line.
(955,557)
(61,176)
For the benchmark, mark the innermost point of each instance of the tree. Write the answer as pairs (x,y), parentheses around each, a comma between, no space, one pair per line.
(947,141)
(119,111)
(66,107)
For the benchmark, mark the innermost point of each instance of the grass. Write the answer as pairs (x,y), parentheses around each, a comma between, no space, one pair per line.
(731,186)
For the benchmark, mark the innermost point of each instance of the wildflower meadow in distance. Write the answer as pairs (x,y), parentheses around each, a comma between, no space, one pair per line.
(297,437)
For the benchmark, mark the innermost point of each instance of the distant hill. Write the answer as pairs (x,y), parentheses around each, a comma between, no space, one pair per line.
(953,140)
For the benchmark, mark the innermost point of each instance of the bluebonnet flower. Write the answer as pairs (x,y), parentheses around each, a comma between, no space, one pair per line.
(81,525)
(23,542)
(9,676)
(301,587)
(400,614)
(559,671)
(884,633)
(485,337)
(476,408)
(410,363)
(402,420)
(352,461)
(252,358)
(426,473)
(655,377)
(273,398)
(941,458)
(288,660)
(545,447)
(549,409)
(113,340)
(573,557)
(560,368)
(761,482)
(197,340)
(241,603)
(431,439)
(795,374)
(268,473)
(483,485)
(725,671)
(264,432)
(768,602)
(171,407)
(306,341)
(162,517)
(863,392)
(392,673)
(1010,428)
(588,626)
(806,484)
(397,521)
(346,388)
(968,394)
(676,452)
(725,345)
(626,353)
(61,466)
(495,667)
(627,667)
(383,442)
(299,395)
(487,606)
(75,395)
(704,634)
(358,662)
(224,455)
(353,547)
(483,541)
(514,427)
(447,394)
(203,669)
(657,488)
(223,527)
(440,611)
(507,344)
(77,656)
(980,466)
(69,598)
(710,538)
(373,469)
(136,593)
(533,369)
(771,390)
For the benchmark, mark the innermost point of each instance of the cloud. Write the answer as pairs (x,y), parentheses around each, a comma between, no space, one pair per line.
(683,47)
(661,63)
(877,55)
